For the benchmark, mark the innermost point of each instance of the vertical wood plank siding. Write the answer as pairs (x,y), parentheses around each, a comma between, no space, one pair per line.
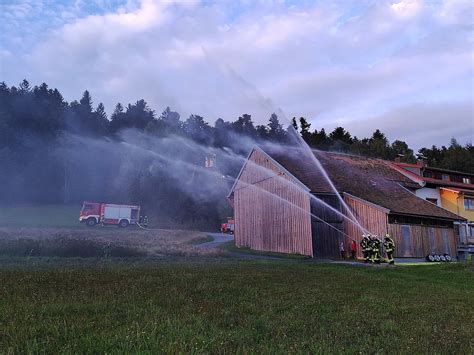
(370,217)
(423,240)
(271,212)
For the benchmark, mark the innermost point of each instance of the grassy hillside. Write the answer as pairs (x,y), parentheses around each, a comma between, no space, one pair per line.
(99,242)
(67,216)
(216,305)
(40,216)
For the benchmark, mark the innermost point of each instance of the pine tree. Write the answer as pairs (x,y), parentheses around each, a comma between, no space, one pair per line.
(304,130)
(294,124)
(86,101)
(100,112)
(25,86)
(275,131)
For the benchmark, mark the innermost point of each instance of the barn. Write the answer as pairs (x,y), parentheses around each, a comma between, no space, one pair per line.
(284,203)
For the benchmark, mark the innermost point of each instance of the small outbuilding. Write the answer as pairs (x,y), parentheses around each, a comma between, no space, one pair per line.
(293,200)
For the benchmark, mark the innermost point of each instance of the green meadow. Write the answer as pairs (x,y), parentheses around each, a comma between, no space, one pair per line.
(216,305)
(58,216)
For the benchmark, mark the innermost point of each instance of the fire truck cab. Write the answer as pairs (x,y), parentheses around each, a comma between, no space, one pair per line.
(229,226)
(93,213)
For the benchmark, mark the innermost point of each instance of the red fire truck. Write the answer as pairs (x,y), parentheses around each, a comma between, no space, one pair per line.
(229,226)
(93,213)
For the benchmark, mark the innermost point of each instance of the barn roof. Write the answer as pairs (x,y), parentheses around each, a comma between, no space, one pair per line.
(373,180)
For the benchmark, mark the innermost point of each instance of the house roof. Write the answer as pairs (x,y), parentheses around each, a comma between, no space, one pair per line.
(373,180)
(447,183)
(426,167)
(461,191)
(429,181)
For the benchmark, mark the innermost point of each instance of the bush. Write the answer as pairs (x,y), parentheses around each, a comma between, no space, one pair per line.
(65,247)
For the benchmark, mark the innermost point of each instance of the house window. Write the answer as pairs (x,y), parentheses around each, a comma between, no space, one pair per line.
(469,203)
(432,200)
(466,180)
(445,177)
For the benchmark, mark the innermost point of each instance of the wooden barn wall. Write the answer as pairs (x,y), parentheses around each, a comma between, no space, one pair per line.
(370,217)
(271,213)
(418,241)
(326,235)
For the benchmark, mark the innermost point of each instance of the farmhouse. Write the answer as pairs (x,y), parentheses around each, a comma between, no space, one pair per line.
(452,190)
(283,202)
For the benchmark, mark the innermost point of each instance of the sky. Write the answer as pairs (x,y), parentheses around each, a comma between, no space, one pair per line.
(403,66)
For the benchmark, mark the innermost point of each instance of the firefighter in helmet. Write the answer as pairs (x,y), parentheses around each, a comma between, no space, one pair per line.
(376,250)
(364,246)
(143,221)
(389,246)
(369,248)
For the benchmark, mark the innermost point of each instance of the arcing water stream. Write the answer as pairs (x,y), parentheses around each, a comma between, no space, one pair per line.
(317,163)
(268,172)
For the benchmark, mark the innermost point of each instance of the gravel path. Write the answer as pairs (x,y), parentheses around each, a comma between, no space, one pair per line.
(219,238)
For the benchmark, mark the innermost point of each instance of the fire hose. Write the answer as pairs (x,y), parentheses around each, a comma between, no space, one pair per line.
(140,226)
(146,228)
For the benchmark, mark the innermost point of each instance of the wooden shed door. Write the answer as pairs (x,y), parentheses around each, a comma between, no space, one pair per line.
(325,229)
(405,247)
(432,240)
(445,244)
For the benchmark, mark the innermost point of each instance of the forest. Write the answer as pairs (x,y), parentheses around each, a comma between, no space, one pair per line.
(178,169)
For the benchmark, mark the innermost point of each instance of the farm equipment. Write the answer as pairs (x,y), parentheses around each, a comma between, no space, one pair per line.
(229,226)
(93,213)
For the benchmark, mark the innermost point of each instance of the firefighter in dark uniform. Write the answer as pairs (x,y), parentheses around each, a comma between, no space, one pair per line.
(143,221)
(378,257)
(376,250)
(389,246)
(364,246)
(370,248)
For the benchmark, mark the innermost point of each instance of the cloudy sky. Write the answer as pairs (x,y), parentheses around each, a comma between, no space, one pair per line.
(403,66)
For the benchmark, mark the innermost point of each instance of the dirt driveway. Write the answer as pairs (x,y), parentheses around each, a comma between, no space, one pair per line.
(219,238)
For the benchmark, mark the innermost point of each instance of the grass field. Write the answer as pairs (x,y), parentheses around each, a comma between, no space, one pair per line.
(58,216)
(55,231)
(225,305)
(230,247)
(105,242)
(65,288)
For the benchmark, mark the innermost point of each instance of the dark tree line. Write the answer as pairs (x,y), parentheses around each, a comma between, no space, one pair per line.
(52,151)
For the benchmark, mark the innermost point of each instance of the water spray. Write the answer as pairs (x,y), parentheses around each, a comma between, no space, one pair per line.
(232,179)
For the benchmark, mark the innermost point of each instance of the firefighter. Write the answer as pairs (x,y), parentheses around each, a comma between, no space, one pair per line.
(374,247)
(364,246)
(389,246)
(376,250)
(369,248)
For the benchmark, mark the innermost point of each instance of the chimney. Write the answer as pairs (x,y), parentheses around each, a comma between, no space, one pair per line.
(398,158)
(210,161)
(421,160)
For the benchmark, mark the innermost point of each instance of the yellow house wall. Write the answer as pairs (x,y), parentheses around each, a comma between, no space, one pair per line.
(455,203)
